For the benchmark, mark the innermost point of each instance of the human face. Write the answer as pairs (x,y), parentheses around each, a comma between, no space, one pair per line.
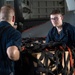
(56,19)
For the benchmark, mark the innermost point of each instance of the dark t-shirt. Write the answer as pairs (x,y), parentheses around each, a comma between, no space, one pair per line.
(8,37)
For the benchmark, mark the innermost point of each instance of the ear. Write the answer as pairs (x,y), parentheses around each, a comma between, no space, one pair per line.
(13,19)
(62,17)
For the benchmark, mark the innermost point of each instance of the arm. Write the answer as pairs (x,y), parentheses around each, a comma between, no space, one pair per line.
(13,45)
(71,34)
(48,38)
(13,53)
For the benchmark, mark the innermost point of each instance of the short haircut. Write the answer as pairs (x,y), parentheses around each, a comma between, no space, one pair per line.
(6,10)
(56,11)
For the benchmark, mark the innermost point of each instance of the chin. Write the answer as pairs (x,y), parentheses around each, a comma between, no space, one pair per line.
(54,25)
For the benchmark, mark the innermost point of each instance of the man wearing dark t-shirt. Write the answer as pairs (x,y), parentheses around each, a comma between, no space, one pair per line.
(10,41)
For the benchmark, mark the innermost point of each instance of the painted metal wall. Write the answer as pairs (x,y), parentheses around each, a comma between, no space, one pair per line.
(42,30)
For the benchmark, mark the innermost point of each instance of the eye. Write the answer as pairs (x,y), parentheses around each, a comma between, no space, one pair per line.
(55,18)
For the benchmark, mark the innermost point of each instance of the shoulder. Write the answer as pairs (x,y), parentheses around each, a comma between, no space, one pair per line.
(52,30)
(10,31)
(13,31)
(68,25)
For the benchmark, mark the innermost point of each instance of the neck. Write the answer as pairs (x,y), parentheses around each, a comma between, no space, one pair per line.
(59,29)
(7,21)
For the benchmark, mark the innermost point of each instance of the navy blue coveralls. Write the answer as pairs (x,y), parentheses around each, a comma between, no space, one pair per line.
(67,35)
(8,37)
